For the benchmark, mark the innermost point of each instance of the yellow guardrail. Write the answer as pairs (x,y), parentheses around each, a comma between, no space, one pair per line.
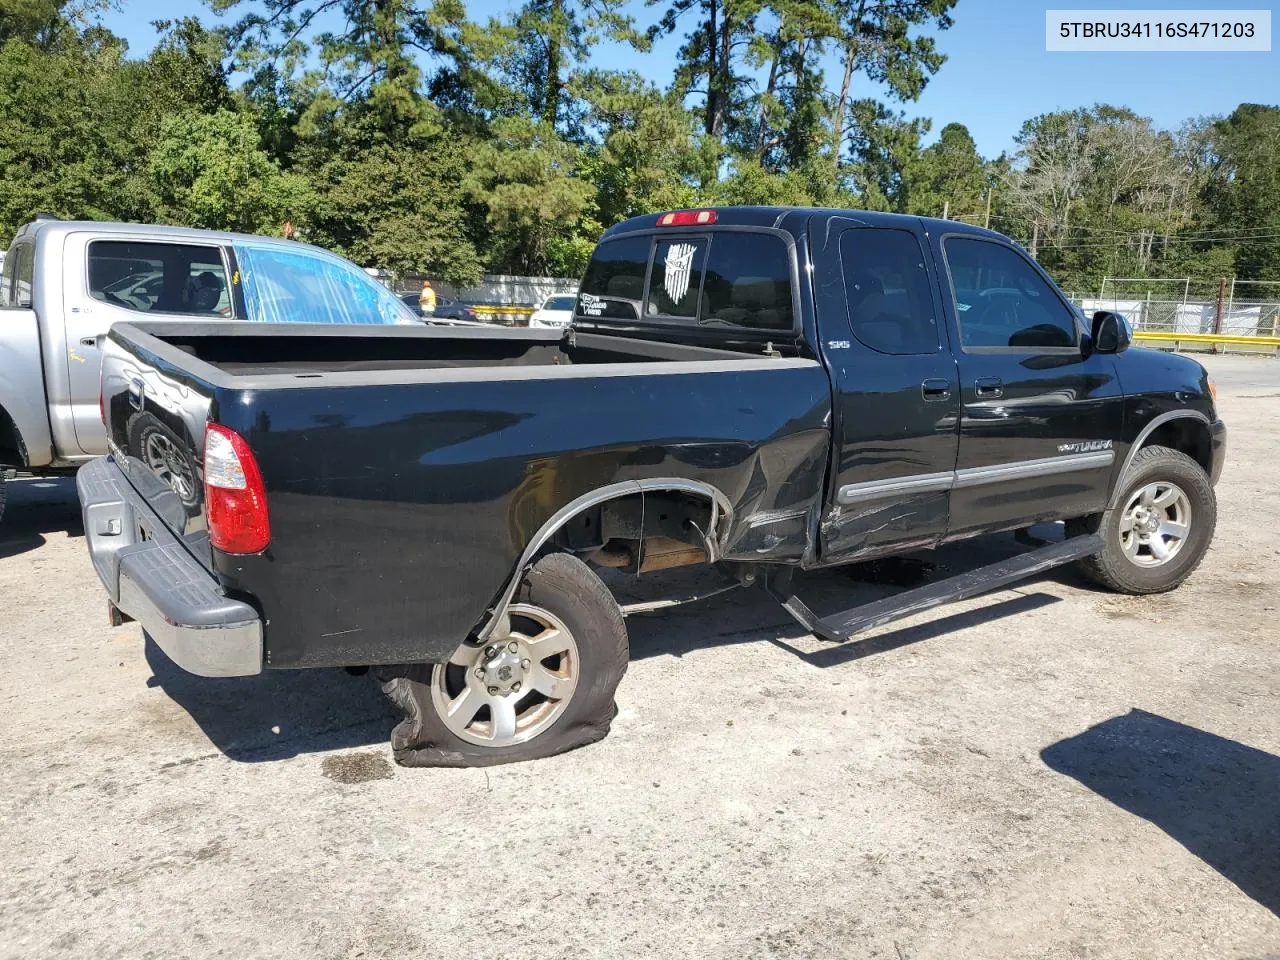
(488,309)
(1223,338)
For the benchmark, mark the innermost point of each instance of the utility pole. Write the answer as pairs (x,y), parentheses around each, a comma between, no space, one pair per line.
(946,209)
(1217,313)
(1035,237)
(986,222)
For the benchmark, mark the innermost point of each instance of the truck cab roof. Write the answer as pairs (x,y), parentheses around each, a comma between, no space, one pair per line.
(793,219)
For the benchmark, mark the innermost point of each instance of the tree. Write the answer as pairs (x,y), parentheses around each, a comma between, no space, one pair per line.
(526,179)
(210,171)
(947,175)
(877,41)
(1242,195)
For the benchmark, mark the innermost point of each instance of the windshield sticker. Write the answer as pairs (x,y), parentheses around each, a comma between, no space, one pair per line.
(591,306)
(678,266)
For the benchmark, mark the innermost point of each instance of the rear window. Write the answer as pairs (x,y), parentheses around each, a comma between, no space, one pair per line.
(729,278)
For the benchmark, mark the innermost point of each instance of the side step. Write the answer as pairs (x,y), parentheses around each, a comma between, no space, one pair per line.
(839,627)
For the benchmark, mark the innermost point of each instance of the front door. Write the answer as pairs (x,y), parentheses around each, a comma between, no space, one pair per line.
(896,403)
(1039,412)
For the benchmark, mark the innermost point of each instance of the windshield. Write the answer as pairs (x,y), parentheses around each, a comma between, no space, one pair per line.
(308,286)
(560,303)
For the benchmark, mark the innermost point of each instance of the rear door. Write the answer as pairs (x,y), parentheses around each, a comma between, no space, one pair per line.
(896,392)
(114,279)
(1039,413)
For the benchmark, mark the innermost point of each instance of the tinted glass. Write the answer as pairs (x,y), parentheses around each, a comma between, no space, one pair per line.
(887,285)
(559,303)
(19,268)
(159,277)
(282,285)
(1002,301)
(614,283)
(676,286)
(748,282)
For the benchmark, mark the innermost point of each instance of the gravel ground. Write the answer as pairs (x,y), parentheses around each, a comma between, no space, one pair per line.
(1049,771)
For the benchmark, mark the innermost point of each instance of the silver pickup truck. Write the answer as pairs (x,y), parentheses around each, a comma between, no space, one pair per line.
(65,283)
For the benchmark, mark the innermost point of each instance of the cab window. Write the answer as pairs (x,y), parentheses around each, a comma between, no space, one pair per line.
(1002,301)
(724,278)
(886,284)
(19,270)
(159,277)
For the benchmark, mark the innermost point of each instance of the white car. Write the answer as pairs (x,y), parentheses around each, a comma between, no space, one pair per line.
(555,312)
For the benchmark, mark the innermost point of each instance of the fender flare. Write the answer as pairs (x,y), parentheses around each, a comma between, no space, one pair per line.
(1141,438)
(721,514)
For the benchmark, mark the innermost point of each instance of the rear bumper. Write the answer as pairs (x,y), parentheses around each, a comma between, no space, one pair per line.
(1217,449)
(151,577)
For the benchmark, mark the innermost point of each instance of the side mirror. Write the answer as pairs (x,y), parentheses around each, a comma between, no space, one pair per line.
(1110,332)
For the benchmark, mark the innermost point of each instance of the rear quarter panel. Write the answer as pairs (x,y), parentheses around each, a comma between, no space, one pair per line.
(399,511)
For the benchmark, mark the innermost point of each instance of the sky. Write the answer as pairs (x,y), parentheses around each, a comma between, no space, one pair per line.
(997,75)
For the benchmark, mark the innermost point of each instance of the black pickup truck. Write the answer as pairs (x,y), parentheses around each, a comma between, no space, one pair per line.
(761,389)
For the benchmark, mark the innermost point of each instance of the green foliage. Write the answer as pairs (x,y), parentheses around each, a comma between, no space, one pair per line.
(412,138)
(209,170)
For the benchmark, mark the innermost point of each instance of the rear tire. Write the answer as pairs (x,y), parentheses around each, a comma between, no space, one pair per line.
(1159,529)
(539,687)
(4,495)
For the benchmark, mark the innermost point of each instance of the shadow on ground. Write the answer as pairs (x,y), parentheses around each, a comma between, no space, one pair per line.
(37,506)
(278,714)
(1218,798)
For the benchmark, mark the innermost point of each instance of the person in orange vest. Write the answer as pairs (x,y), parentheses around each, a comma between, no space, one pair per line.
(427,299)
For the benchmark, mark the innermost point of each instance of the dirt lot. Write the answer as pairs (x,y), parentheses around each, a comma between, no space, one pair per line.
(1049,771)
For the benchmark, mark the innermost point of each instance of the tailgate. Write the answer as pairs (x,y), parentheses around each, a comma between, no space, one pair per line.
(156,412)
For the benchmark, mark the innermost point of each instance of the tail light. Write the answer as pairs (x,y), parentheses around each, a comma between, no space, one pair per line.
(687,218)
(235,500)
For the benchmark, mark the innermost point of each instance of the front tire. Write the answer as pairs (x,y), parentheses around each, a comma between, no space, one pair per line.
(1160,527)
(541,684)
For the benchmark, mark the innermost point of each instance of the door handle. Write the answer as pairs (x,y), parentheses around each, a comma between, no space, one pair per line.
(990,387)
(936,390)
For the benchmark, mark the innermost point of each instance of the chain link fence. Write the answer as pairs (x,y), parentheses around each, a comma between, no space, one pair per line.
(1239,309)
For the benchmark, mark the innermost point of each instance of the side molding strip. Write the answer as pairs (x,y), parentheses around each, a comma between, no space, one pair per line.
(973,476)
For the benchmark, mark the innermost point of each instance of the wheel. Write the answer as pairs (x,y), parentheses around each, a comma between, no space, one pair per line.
(160,449)
(1160,527)
(543,682)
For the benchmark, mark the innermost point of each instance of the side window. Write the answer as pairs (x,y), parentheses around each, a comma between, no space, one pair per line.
(283,285)
(887,286)
(1001,301)
(675,289)
(748,282)
(614,283)
(159,277)
(19,269)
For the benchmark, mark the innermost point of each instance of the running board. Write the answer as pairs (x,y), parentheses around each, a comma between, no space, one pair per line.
(839,627)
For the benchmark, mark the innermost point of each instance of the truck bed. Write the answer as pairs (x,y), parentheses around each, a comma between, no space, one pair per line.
(309,351)
(406,469)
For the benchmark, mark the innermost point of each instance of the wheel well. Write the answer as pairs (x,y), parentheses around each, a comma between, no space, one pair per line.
(1189,435)
(13,452)
(641,532)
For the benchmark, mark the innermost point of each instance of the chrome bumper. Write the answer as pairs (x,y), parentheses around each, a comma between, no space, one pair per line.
(151,577)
